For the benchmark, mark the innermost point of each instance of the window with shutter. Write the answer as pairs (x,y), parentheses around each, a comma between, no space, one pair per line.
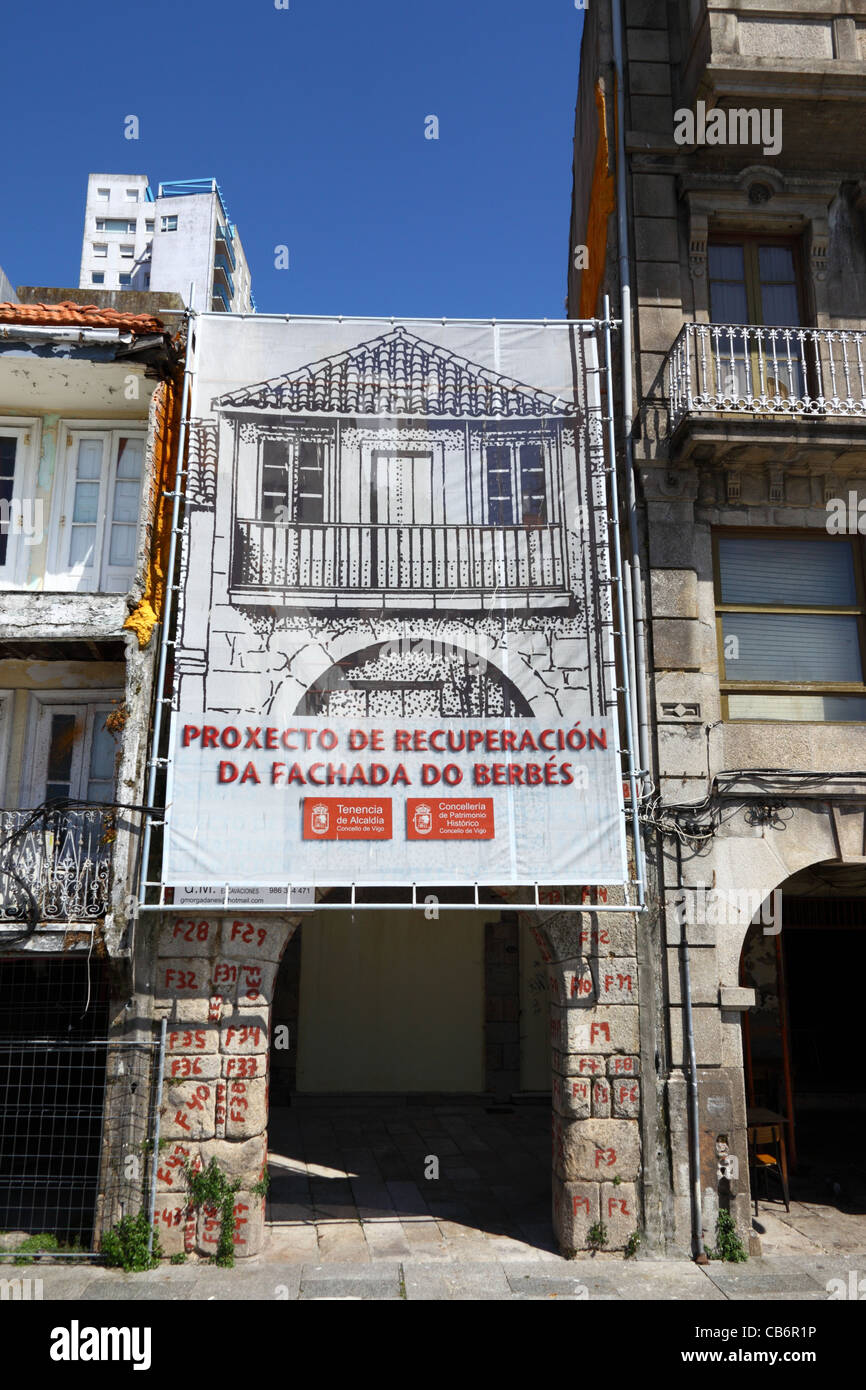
(790,624)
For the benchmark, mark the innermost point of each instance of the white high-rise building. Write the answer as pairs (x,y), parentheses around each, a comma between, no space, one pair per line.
(178,239)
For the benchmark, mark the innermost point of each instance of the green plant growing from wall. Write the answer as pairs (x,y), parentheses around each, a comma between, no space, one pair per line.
(212,1189)
(260,1188)
(596,1236)
(728,1244)
(125,1245)
(633,1244)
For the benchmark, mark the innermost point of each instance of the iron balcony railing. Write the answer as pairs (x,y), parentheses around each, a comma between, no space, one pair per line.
(756,371)
(413,558)
(55,863)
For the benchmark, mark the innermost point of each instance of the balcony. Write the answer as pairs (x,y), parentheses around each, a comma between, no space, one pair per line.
(748,51)
(355,565)
(55,864)
(224,236)
(220,300)
(221,266)
(731,384)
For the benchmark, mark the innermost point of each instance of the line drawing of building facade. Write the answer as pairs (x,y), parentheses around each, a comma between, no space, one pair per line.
(391,486)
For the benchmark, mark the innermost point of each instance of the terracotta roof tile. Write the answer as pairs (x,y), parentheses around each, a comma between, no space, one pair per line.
(70,315)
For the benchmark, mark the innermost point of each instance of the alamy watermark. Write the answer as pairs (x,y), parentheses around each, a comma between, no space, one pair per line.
(707,906)
(737,126)
(846,516)
(23,516)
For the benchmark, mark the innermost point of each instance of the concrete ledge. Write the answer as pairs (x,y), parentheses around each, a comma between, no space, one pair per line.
(734,997)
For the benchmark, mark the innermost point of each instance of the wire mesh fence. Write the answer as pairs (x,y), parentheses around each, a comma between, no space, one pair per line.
(76,1109)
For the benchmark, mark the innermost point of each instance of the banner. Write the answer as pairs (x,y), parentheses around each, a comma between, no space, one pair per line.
(394,658)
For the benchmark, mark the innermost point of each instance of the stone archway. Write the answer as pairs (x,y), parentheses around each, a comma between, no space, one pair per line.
(797,1064)
(215,976)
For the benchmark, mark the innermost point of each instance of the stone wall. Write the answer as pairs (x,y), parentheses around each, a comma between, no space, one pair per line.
(214,983)
(595,1038)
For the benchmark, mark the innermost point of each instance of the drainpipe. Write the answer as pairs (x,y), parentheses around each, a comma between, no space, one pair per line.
(637,588)
(689,1039)
(628,391)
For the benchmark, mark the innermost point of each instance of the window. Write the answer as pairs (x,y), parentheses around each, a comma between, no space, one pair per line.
(132,195)
(757,281)
(149,224)
(125,281)
(100,250)
(96,534)
(533,485)
(72,754)
(115,224)
(790,624)
(300,497)
(168,224)
(500,498)
(127,252)
(8,450)
(21,510)
(98,277)
(516,485)
(103,195)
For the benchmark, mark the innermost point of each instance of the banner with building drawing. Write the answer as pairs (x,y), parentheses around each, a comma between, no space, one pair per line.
(394,657)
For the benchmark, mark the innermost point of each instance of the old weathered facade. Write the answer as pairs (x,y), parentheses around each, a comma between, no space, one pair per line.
(89,407)
(744,254)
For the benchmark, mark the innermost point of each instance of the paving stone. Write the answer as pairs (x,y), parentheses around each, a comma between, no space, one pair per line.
(752,1278)
(379,1282)
(540,1283)
(469,1280)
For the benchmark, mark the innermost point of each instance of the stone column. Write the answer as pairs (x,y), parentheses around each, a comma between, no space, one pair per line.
(592,971)
(214,985)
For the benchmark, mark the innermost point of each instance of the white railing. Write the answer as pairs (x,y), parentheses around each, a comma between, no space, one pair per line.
(749,370)
(57,862)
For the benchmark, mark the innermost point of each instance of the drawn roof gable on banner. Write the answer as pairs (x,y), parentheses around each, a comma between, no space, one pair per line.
(397,374)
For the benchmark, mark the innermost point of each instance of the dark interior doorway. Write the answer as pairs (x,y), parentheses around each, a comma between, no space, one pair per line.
(53,1025)
(802,1043)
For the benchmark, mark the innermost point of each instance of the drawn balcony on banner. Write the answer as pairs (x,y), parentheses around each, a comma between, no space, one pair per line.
(398,474)
(408,559)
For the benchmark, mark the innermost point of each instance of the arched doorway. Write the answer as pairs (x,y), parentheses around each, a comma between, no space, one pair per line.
(801,1049)
(409,1115)
(414,1101)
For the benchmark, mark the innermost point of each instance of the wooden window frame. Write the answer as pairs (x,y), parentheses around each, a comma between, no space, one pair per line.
(86,705)
(750,242)
(729,687)
(60,576)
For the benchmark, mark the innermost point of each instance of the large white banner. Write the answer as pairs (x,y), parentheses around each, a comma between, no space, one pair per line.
(394,657)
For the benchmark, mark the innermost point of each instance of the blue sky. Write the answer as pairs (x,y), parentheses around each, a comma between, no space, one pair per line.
(312,119)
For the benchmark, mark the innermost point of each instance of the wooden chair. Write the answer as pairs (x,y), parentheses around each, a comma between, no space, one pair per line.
(767,1155)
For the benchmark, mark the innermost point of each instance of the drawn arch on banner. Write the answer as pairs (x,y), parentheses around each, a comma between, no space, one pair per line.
(414,679)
